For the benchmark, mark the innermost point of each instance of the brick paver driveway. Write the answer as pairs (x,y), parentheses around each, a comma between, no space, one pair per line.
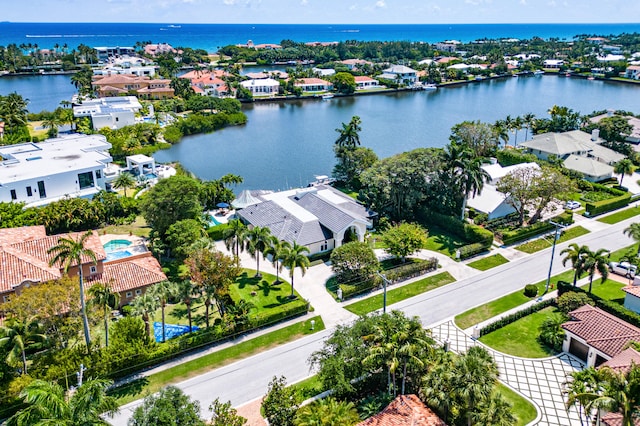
(538,379)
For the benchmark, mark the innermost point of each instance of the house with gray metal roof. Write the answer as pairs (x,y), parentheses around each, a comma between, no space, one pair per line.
(318,217)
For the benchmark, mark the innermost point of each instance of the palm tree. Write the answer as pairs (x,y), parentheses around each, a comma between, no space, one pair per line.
(124,180)
(163,291)
(145,305)
(235,236)
(72,252)
(578,388)
(349,134)
(595,261)
(466,170)
(51,123)
(438,385)
(624,167)
(529,120)
(633,231)
(295,257)
(501,130)
(516,126)
(574,255)
(494,411)
(277,250)
(327,411)
(48,404)
(16,336)
(258,241)
(187,293)
(476,374)
(103,297)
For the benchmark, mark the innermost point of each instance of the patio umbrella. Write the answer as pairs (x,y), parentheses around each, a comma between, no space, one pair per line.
(222,205)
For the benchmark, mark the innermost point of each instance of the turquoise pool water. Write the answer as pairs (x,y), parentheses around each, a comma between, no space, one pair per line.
(115,245)
(213,221)
(118,254)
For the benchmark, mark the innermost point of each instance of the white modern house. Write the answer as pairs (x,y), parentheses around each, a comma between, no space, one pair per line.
(401,74)
(262,87)
(113,112)
(318,217)
(40,173)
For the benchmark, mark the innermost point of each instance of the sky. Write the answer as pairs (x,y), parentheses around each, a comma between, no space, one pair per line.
(323,11)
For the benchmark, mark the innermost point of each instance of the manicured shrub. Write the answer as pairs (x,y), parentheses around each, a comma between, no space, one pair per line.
(216,233)
(572,300)
(509,157)
(463,230)
(531,290)
(517,235)
(599,207)
(472,249)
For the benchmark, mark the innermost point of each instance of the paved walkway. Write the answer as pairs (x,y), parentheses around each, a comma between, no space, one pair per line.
(539,380)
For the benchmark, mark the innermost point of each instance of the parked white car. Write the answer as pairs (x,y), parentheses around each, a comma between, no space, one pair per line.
(623,268)
(572,205)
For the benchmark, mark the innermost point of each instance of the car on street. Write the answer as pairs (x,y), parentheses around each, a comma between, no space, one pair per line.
(572,205)
(623,268)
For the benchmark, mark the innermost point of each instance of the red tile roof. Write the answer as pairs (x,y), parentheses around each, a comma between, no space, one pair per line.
(405,410)
(601,330)
(623,361)
(312,80)
(633,290)
(361,78)
(24,233)
(130,273)
(38,247)
(615,419)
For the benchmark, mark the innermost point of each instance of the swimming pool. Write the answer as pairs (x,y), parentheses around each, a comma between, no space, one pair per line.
(213,221)
(113,255)
(115,245)
(150,176)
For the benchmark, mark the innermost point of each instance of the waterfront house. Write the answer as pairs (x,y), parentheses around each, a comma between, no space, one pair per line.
(157,49)
(208,83)
(633,72)
(318,217)
(401,74)
(364,82)
(404,410)
(595,336)
(634,137)
(112,112)
(323,72)
(277,74)
(355,64)
(313,84)
(262,87)
(25,262)
(591,170)
(137,70)
(553,63)
(104,53)
(147,88)
(40,173)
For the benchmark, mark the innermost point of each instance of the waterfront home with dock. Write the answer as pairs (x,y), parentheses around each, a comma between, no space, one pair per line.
(262,87)
(313,85)
(116,85)
(113,112)
(401,74)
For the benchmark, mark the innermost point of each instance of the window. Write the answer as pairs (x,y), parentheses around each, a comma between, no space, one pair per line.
(29,192)
(129,295)
(6,298)
(14,196)
(85,180)
(41,190)
(138,292)
(93,269)
(324,246)
(98,174)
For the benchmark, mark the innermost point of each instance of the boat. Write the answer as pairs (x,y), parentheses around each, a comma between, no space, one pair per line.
(327,96)
(538,72)
(591,77)
(321,180)
(430,87)
(568,74)
(174,26)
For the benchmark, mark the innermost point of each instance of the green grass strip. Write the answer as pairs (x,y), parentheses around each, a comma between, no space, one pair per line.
(503,304)
(153,383)
(489,262)
(524,410)
(620,216)
(546,242)
(373,303)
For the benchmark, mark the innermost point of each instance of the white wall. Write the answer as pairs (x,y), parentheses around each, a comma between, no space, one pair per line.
(117,119)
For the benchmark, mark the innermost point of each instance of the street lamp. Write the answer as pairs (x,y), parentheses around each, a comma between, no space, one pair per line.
(553,250)
(384,293)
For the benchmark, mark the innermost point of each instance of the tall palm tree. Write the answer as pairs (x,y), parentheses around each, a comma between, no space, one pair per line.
(438,385)
(349,133)
(295,257)
(187,292)
(624,167)
(258,241)
(73,252)
(124,181)
(494,411)
(328,411)
(466,170)
(277,250)
(16,336)
(633,231)
(476,373)
(51,123)
(516,126)
(595,261)
(579,387)
(529,120)
(235,236)
(501,130)
(163,291)
(145,305)
(412,341)
(103,297)
(574,255)
(48,404)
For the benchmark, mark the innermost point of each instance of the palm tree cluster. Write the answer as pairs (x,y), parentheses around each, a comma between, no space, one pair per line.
(465,171)
(584,260)
(13,111)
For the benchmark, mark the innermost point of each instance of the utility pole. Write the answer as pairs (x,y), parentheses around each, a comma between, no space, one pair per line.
(553,251)
(384,293)
(80,373)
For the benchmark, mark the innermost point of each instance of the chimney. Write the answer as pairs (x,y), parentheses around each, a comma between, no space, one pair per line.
(595,135)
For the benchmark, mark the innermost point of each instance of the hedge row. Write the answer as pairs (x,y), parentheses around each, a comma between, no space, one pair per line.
(510,157)
(480,239)
(520,234)
(598,207)
(516,316)
(613,308)
(216,232)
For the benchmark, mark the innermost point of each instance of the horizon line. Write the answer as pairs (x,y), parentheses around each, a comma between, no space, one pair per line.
(328,24)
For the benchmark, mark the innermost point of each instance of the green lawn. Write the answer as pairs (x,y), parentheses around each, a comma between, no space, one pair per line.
(395,295)
(547,241)
(262,292)
(520,338)
(615,256)
(503,304)
(138,227)
(609,290)
(141,387)
(307,388)
(488,262)
(524,410)
(443,242)
(620,215)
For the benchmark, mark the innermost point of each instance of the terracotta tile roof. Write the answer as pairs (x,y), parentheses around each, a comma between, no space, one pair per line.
(623,361)
(405,410)
(118,79)
(38,247)
(615,419)
(312,80)
(18,267)
(109,89)
(361,78)
(601,330)
(24,233)
(632,289)
(155,90)
(130,273)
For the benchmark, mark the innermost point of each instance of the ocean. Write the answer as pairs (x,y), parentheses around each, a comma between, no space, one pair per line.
(213,36)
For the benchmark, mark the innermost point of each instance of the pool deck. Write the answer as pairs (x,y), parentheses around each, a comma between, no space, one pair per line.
(134,239)
(222,218)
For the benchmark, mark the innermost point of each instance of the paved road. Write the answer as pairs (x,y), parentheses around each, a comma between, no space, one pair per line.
(247,380)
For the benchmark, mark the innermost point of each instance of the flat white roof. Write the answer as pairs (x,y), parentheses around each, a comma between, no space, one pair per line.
(107,105)
(30,160)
